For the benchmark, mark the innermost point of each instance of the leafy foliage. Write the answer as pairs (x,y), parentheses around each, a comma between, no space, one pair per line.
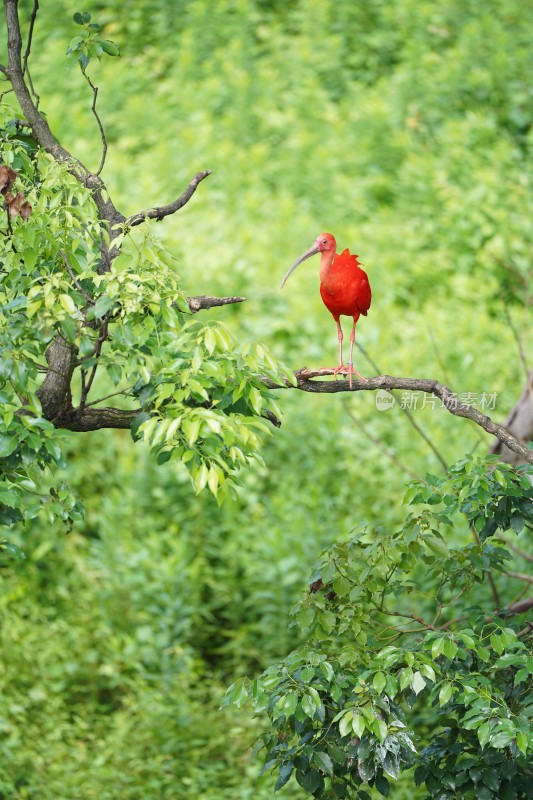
(395,628)
(200,399)
(89,44)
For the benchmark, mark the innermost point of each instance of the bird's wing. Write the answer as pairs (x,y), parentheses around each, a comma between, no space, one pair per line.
(364,293)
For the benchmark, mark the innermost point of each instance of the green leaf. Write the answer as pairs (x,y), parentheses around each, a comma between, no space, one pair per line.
(445,693)
(428,672)
(8,445)
(115,373)
(379,682)
(391,765)
(67,303)
(406,676)
(310,780)
(418,683)
(101,307)
(437,647)
(136,424)
(358,724)
(483,733)
(285,772)
(14,552)
(345,725)
(382,785)
(110,48)
(522,742)
(323,761)
(450,648)
(210,340)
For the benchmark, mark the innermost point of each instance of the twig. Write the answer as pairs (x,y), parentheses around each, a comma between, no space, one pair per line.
(94,90)
(106,397)
(427,625)
(414,424)
(159,212)
(490,577)
(75,281)
(86,385)
(518,340)
(512,546)
(521,576)
(25,68)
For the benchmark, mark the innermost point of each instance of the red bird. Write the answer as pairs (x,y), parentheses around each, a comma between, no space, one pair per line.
(344,288)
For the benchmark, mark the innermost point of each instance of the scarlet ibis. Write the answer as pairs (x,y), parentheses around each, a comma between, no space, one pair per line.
(344,288)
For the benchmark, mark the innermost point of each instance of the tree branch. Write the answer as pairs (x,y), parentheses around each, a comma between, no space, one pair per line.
(75,281)
(83,420)
(449,401)
(521,576)
(204,301)
(39,125)
(55,393)
(103,139)
(159,212)
(25,68)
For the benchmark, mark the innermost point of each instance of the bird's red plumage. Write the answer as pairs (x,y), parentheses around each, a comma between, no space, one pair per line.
(344,287)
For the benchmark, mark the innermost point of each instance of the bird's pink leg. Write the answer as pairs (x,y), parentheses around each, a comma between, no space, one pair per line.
(341,367)
(339,334)
(351,370)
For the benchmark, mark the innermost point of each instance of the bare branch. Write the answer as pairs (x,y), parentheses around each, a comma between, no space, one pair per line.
(517,337)
(98,120)
(4,71)
(30,35)
(521,576)
(521,606)
(102,336)
(204,301)
(160,212)
(449,401)
(75,281)
(517,550)
(25,68)
(407,413)
(519,421)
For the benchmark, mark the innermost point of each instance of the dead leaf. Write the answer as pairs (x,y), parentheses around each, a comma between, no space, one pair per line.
(7,178)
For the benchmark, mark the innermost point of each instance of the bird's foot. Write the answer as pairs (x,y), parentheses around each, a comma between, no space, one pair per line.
(349,368)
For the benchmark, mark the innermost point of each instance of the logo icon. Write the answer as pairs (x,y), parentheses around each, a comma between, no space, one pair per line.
(384,400)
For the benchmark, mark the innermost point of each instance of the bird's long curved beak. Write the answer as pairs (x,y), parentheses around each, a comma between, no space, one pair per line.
(308,253)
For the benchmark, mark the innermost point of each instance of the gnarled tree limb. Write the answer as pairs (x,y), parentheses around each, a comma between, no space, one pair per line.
(159,212)
(204,301)
(387,382)
(83,420)
(55,393)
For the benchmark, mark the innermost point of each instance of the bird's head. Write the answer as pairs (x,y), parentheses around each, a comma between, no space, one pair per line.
(323,244)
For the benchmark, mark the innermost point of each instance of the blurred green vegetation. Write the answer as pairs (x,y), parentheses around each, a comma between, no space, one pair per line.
(405,129)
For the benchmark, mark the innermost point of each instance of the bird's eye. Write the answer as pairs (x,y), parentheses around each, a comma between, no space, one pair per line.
(324,241)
